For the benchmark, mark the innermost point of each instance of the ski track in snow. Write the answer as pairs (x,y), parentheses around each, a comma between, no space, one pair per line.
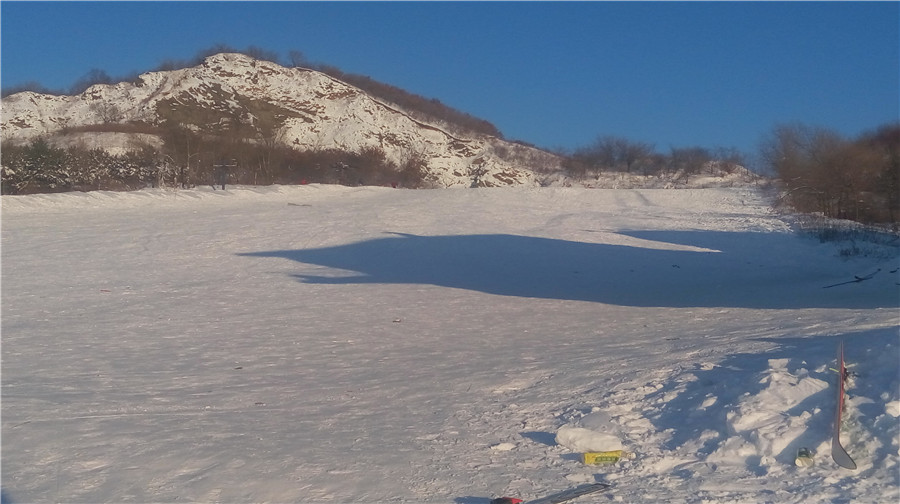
(333,344)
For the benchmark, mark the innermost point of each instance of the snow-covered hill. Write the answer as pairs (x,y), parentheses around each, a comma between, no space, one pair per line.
(331,344)
(302,108)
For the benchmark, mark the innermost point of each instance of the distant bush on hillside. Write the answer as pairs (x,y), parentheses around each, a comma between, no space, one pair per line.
(92,77)
(34,87)
(198,58)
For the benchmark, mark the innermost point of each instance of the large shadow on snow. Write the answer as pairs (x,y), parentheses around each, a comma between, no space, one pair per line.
(707,269)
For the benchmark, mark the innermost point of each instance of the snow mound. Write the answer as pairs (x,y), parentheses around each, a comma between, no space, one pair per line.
(892,408)
(579,439)
(775,422)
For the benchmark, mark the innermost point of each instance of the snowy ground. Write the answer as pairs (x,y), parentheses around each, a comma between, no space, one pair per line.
(350,345)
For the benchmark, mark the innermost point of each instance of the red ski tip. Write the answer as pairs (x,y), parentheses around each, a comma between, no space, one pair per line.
(506,500)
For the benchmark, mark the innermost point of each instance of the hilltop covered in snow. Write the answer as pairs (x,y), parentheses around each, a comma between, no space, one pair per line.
(296,107)
(294,124)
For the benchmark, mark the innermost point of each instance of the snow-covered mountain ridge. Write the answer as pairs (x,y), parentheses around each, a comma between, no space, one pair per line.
(303,108)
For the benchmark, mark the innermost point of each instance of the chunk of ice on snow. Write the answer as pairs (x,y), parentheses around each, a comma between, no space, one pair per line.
(892,408)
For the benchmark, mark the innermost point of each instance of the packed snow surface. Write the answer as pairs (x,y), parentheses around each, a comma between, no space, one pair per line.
(349,345)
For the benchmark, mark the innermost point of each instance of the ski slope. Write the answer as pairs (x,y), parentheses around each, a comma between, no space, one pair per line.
(348,345)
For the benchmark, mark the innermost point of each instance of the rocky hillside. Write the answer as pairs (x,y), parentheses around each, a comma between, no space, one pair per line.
(268,104)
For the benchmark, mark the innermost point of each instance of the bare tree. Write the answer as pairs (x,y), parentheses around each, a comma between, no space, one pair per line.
(94,76)
(108,111)
(261,54)
(689,160)
(297,58)
(885,143)
(613,153)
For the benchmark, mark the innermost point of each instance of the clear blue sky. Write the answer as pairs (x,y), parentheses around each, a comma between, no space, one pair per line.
(554,74)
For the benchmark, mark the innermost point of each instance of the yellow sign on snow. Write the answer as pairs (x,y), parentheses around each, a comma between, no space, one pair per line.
(606,457)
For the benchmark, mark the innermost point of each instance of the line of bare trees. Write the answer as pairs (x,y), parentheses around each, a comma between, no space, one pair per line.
(40,167)
(823,172)
(617,154)
(258,157)
(187,158)
(820,170)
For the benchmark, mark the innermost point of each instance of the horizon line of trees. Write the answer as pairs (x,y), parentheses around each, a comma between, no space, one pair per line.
(615,154)
(819,171)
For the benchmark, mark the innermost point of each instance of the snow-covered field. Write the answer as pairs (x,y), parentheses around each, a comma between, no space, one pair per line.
(366,345)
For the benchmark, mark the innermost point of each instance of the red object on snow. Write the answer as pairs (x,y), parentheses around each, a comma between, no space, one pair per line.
(506,500)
